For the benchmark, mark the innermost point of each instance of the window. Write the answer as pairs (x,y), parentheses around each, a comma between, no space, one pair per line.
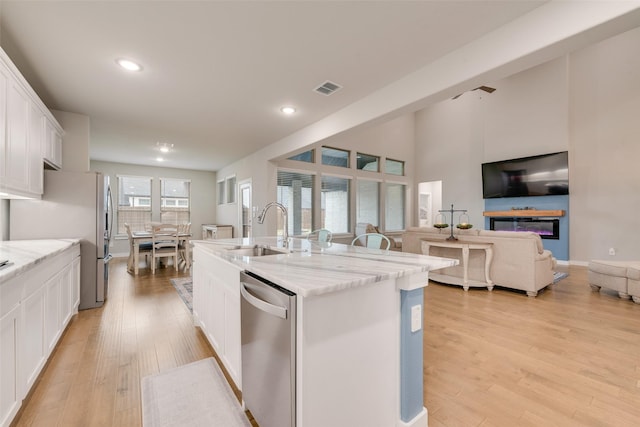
(134,202)
(231,189)
(335,157)
(295,192)
(307,156)
(395,202)
(394,167)
(221,193)
(334,200)
(368,163)
(175,201)
(368,202)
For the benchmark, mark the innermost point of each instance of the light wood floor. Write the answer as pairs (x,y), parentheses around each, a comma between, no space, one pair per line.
(569,357)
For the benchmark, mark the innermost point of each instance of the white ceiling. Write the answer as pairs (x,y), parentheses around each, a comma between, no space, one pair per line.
(216,73)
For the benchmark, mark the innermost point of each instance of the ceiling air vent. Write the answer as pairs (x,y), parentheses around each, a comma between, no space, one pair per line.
(327,88)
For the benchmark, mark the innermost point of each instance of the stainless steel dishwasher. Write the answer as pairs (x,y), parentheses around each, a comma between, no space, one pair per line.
(268,317)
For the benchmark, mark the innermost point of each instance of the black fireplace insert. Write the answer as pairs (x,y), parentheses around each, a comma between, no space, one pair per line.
(547,228)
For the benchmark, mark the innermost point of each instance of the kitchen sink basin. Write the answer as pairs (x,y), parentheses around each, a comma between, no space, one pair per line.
(257,250)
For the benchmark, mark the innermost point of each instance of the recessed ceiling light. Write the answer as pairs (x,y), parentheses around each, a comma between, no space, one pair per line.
(159,159)
(164,147)
(288,110)
(129,65)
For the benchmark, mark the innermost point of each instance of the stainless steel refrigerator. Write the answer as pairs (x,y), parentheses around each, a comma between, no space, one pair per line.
(74,205)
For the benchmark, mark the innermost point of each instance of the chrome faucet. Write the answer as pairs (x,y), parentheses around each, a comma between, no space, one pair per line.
(285,227)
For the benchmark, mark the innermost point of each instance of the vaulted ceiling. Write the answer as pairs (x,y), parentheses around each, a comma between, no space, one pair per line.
(216,73)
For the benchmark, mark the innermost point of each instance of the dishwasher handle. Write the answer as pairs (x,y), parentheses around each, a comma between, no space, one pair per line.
(274,310)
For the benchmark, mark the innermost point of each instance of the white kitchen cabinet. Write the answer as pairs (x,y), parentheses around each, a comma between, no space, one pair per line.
(35,138)
(216,308)
(30,134)
(34,353)
(17,149)
(52,146)
(35,308)
(10,392)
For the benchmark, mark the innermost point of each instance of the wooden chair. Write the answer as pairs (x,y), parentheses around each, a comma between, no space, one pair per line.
(165,240)
(143,249)
(321,235)
(184,246)
(372,241)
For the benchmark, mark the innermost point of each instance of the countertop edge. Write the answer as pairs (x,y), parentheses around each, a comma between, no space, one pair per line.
(27,254)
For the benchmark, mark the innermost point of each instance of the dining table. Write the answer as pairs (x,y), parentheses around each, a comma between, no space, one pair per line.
(140,237)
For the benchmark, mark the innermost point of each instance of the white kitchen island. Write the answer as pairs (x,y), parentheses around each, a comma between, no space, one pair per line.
(359,325)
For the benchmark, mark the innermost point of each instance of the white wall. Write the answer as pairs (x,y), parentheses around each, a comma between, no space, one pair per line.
(605,148)
(203,193)
(75,142)
(394,139)
(587,103)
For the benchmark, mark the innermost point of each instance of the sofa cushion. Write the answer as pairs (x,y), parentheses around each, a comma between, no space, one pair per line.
(609,268)
(633,270)
(515,235)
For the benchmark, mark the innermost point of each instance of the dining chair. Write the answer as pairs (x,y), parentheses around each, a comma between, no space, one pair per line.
(164,240)
(372,241)
(322,235)
(143,249)
(184,232)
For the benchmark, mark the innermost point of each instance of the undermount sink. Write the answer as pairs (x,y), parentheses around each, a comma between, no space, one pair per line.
(257,250)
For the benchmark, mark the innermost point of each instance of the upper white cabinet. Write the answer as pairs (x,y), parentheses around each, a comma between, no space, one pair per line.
(30,134)
(52,147)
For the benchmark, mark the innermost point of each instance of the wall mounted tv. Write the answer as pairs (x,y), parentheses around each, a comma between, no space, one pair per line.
(543,175)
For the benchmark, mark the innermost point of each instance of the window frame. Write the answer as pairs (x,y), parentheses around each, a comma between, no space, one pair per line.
(163,208)
(136,224)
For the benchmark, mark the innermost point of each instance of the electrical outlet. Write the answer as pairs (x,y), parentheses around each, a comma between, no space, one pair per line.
(612,251)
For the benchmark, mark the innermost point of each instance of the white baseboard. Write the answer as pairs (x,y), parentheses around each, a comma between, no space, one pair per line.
(420,420)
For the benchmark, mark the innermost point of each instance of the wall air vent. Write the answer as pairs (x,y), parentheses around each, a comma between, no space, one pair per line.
(327,88)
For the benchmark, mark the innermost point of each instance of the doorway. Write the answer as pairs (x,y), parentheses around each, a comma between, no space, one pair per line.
(246,212)
(429,202)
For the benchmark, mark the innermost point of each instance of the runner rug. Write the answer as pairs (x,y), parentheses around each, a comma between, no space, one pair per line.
(184,286)
(193,395)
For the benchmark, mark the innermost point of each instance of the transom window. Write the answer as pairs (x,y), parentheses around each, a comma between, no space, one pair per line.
(335,157)
(394,167)
(367,162)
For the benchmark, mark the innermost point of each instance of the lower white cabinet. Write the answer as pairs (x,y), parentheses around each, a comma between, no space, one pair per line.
(35,309)
(216,308)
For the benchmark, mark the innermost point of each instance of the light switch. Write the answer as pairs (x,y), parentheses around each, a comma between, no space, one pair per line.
(416,318)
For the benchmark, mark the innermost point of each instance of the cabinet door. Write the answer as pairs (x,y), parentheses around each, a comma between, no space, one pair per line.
(75,285)
(52,150)
(52,313)
(17,170)
(33,351)
(36,139)
(3,123)
(10,393)
(66,283)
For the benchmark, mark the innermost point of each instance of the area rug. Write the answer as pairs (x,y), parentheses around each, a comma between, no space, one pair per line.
(557,276)
(193,395)
(184,286)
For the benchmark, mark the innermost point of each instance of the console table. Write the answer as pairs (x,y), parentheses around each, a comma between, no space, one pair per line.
(465,247)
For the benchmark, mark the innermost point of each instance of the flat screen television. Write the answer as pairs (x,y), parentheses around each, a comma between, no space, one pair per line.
(543,175)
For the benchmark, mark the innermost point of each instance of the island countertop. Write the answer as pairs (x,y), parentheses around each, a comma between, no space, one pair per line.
(25,254)
(312,268)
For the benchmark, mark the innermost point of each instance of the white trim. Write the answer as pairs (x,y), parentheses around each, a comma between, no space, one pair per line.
(302,171)
(420,420)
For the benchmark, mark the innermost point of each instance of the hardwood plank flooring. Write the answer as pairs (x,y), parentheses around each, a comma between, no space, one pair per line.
(569,357)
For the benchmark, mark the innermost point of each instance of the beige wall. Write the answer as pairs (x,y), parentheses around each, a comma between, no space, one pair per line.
(587,103)
(203,193)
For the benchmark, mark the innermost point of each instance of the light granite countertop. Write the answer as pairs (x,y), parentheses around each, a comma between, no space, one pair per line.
(312,268)
(26,254)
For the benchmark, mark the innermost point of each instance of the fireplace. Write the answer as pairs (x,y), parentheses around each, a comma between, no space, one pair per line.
(547,228)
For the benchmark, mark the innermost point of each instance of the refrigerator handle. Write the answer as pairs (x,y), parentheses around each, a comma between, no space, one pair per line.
(110,211)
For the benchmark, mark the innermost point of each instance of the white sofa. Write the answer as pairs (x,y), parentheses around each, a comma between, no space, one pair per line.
(519,259)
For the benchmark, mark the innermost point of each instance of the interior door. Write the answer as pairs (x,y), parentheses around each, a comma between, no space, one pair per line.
(246,212)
